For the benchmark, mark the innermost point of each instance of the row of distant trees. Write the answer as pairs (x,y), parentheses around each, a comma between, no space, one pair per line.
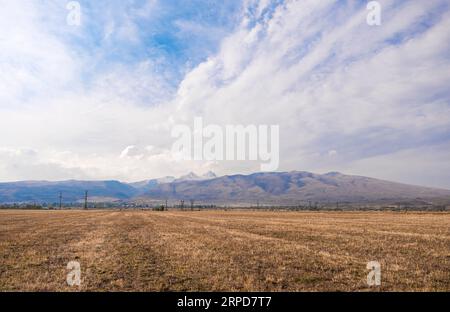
(191,205)
(181,205)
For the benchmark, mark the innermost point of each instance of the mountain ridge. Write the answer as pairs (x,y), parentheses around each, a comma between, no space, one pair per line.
(271,187)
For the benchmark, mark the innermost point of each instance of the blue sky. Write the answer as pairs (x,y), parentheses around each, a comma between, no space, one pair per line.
(177,35)
(347,96)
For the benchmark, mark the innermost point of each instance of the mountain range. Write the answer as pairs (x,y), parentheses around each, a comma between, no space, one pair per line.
(267,187)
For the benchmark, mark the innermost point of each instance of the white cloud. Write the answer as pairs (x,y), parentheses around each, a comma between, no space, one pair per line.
(131,151)
(331,81)
(33,63)
(332,153)
(341,91)
(420,166)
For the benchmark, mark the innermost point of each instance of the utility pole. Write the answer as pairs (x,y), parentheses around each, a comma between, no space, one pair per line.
(85,199)
(60,200)
(166,205)
(192,205)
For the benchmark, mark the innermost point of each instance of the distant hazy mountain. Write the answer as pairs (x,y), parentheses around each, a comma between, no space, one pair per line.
(44,191)
(193,177)
(209,175)
(152,182)
(292,187)
(169,179)
(276,187)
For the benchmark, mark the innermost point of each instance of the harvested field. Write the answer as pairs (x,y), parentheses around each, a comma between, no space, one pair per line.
(223,250)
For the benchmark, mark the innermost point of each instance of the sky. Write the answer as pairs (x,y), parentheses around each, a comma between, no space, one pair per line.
(98,100)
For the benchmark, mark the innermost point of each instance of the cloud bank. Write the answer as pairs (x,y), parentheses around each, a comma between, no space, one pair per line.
(99,101)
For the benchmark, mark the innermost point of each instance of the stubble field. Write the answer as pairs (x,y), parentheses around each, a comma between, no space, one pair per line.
(223,250)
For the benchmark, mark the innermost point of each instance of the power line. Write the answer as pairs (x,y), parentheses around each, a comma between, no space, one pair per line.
(85,199)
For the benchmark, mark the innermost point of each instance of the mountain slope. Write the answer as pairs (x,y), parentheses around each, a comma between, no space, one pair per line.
(291,187)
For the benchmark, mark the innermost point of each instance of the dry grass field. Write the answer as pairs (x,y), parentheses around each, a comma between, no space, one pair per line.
(223,250)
